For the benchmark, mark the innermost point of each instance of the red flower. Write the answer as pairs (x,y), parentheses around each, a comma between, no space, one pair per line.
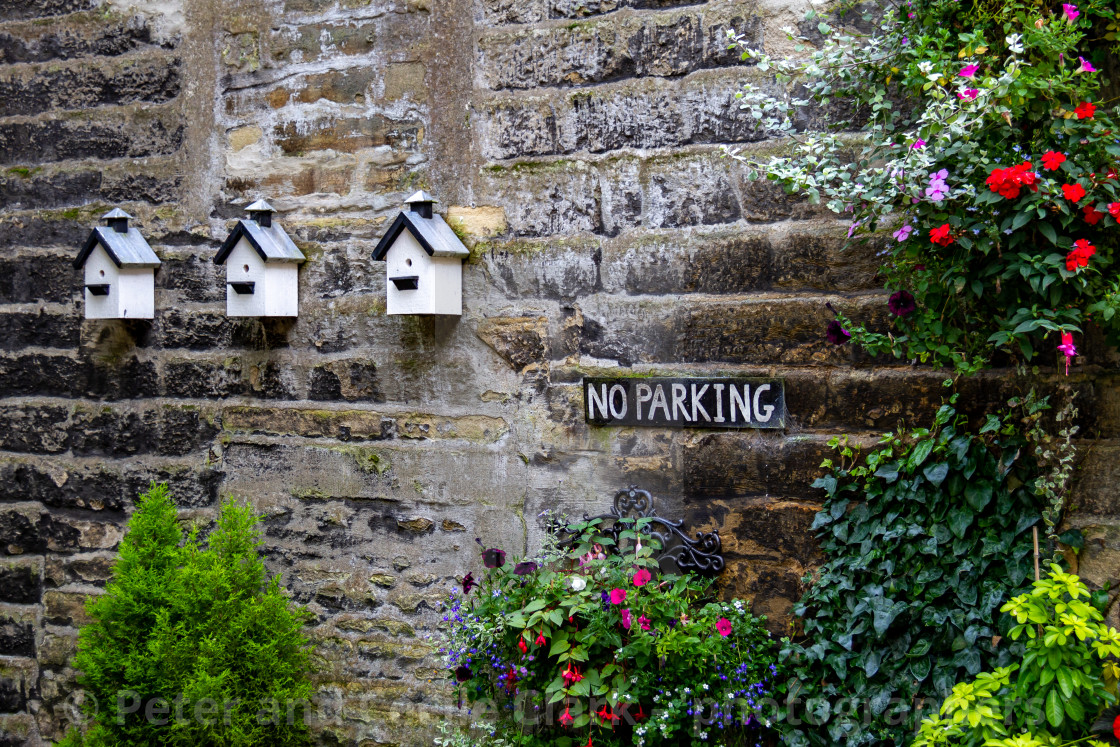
(1085,110)
(723,626)
(566,718)
(1114,210)
(1079,257)
(1052,160)
(606,715)
(588,741)
(1008,182)
(642,577)
(541,640)
(1092,215)
(522,645)
(1073,192)
(940,235)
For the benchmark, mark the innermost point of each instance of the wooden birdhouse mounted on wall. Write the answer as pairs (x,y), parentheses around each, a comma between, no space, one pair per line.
(423,262)
(119,269)
(262,266)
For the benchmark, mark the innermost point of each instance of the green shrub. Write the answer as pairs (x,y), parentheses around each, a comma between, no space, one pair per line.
(581,647)
(924,540)
(192,645)
(1049,696)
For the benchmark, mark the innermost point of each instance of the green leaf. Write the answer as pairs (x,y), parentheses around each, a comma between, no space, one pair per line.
(936,473)
(1048,231)
(1055,713)
(960,519)
(978,494)
(1065,683)
(920,452)
(533,606)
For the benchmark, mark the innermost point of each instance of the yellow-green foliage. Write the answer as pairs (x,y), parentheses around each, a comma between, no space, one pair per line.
(193,645)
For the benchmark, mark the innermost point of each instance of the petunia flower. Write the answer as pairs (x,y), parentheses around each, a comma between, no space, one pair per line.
(918,144)
(940,235)
(1086,66)
(1067,348)
(968,94)
(525,568)
(1085,110)
(469,583)
(578,583)
(1092,215)
(1051,160)
(901,303)
(904,232)
(626,619)
(836,334)
(723,627)
(618,596)
(1070,11)
(643,622)
(462,673)
(1073,192)
(968,71)
(642,577)
(493,558)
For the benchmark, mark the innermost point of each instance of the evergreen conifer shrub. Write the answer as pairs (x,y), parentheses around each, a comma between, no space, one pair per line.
(191,644)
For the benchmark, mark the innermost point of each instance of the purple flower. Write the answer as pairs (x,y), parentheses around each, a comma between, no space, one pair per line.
(524,569)
(852,228)
(493,558)
(901,303)
(836,334)
(937,190)
(463,673)
(968,71)
(469,583)
(1070,11)
(1086,66)
(904,232)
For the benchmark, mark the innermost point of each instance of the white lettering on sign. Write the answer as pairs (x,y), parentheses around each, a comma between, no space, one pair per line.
(694,403)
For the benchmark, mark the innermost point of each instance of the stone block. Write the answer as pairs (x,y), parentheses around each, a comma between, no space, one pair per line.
(504,12)
(38,429)
(19,683)
(81,34)
(85,569)
(42,329)
(19,730)
(19,9)
(65,607)
(57,647)
(17,631)
(120,134)
(94,82)
(44,277)
(21,580)
(742,464)
(566,197)
(520,341)
(347,425)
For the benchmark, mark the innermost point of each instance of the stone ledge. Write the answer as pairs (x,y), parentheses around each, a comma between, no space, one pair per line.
(81,34)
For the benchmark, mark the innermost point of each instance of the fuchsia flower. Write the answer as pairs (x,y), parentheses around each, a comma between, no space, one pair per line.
(723,627)
(618,596)
(968,94)
(968,71)
(541,640)
(1086,66)
(1070,11)
(642,577)
(469,583)
(566,718)
(1067,348)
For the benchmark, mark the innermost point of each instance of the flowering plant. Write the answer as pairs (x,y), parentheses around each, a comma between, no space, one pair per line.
(982,148)
(591,643)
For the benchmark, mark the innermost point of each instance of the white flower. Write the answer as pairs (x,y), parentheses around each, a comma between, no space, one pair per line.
(703,735)
(705,686)
(686,691)
(925,68)
(578,583)
(1015,43)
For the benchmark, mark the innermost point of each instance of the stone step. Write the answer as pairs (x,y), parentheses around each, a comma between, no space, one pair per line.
(82,34)
(154,181)
(132,131)
(21,9)
(660,44)
(641,114)
(84,84)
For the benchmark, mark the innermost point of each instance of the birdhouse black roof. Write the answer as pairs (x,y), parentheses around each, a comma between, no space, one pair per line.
(124,245)
(270,241)
(429,229)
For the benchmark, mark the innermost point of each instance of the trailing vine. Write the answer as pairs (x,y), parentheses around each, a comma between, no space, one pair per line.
(925,538)
(1056,456)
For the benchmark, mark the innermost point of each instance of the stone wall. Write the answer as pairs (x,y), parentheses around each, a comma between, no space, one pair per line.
(575,143)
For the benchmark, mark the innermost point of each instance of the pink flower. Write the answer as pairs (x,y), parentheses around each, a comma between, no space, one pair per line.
(723,627)
(968,94)
(1086,66)
(626,619)
(1067,348)
(1070,12)
(642,577)
(618,596)
(566,718)
(643,622)
(968,71)
(918,144)
(904,233)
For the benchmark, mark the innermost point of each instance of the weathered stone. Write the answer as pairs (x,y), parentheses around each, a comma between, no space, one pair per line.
(483,428)
(145,134)
(21,581)
(19,680)
(29,278)
(44,8)
(726,465)
(521,341)
(345,424)
(35,89)
(81,34)
(57,648)
(19,330)
(17,631)
(418,525)
(65,607)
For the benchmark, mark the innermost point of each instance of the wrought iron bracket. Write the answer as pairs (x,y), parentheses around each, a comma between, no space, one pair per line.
(678,552)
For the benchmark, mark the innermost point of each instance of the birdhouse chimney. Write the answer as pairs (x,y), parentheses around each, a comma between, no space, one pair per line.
(261,212)
(421,204)
(117,220)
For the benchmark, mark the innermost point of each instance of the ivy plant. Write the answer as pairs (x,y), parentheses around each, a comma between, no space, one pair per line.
(925,538)
(1049,696)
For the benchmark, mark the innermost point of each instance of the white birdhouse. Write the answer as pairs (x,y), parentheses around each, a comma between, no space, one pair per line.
(119,269)
(262,266)
(423,262)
